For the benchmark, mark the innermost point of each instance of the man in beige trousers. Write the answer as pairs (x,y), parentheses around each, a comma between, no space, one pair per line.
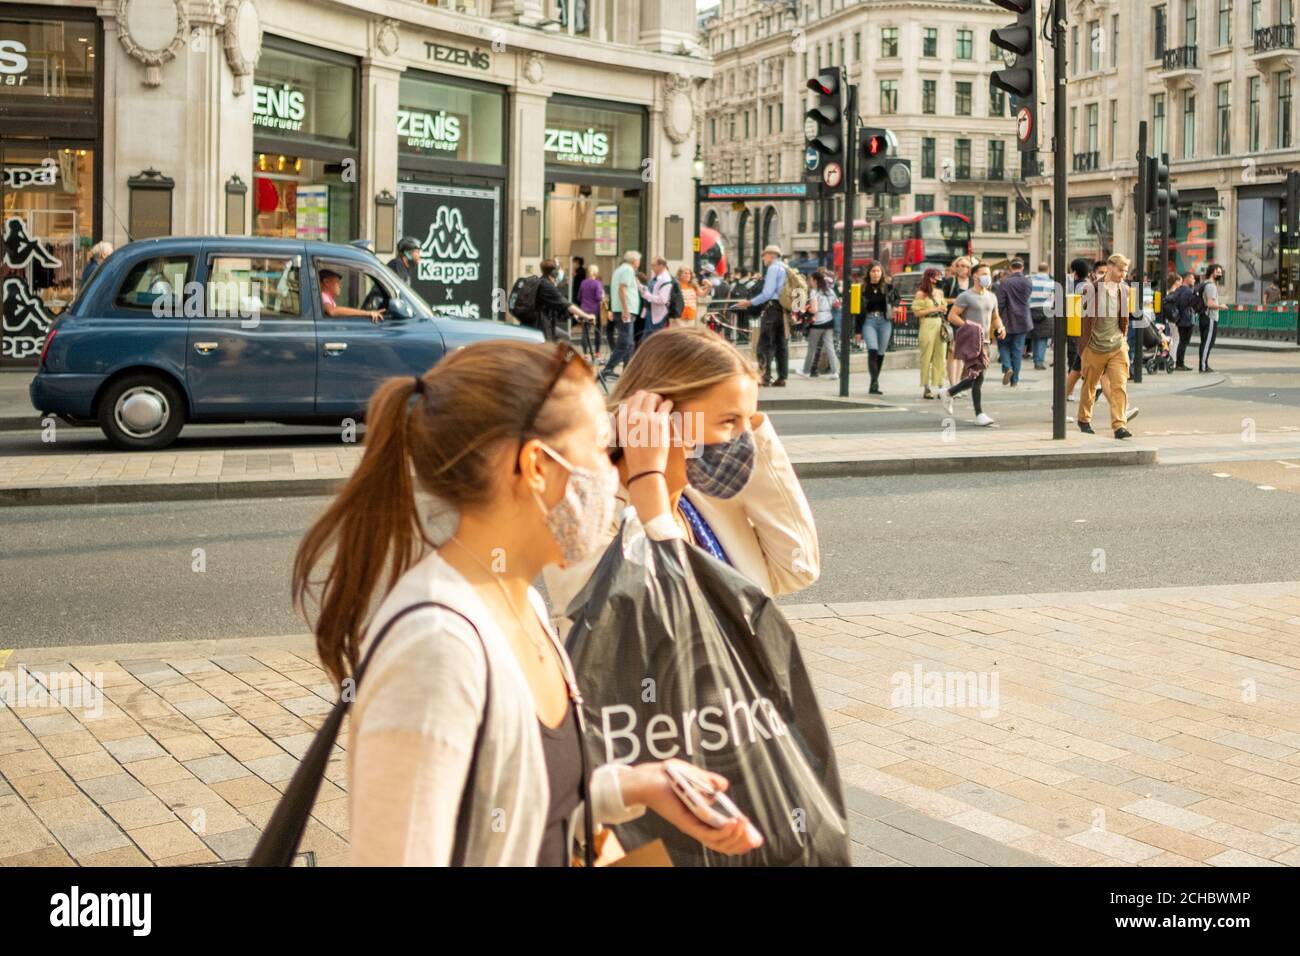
(1103,346)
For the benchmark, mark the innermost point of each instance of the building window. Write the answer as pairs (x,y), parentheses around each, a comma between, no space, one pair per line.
(997,159)
(995,214)
(924,202)
(930,44)
(1189,22)
(965,44)
(929,94)
(1159,27)
(1114,39)
(1256,16)
(1095,41)
(1283,81)
(889,96)
(1189,125)
(1222,126)
(1074,126)
(857,47)
(1074,51)
(927,157)
(888,41)
(1252,132)
(963,158)
(1225,22)
(963,99)
(1092,128)
(1158,124)
(1114,128)
(997,102)
(963,206)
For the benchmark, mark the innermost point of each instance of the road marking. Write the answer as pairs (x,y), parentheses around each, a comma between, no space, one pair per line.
(4,656)
(1286,464)
(1222,474)
(1266,488)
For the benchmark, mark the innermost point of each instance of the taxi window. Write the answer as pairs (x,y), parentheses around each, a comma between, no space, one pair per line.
(266,286)
(151,280)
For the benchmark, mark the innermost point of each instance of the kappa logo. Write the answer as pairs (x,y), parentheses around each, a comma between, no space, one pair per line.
(448,253)
(20,248)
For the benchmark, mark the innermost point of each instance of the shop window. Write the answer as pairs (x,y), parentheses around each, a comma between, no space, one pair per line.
(152,279)
(263,286)
(444,121)
(995,214)
(297,198)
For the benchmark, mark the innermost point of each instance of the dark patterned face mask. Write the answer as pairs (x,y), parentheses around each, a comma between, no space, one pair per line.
(724,469)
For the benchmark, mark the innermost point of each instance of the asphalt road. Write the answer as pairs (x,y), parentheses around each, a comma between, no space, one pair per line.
(126,573)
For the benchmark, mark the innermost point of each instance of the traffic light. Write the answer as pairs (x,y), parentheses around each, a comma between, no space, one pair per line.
(1019,40)
(824,124)
(1160,192)
(878,171)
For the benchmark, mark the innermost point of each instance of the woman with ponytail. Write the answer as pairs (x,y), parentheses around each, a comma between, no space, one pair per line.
(465,743)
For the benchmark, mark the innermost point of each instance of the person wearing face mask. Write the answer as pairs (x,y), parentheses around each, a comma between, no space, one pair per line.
(723,482)
(977,307)
(466,710)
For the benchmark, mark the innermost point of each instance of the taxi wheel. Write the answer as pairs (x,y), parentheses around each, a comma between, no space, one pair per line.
(142,412)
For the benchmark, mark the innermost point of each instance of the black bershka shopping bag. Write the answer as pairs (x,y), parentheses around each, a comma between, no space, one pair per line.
(679,655)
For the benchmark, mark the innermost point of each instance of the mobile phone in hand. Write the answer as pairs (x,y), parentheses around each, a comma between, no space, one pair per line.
(709,804)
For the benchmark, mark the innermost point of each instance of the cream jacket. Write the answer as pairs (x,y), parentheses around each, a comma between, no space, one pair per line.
(767,530)
(412,731)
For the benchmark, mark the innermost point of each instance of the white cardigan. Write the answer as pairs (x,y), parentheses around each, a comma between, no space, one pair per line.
(412,731)
(767,530)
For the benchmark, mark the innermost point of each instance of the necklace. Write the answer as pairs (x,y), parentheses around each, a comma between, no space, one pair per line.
(537,643)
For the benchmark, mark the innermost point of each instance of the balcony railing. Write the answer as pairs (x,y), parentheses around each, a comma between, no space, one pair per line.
(1280,36)
(1180,58)
(1087,162)
(980,174)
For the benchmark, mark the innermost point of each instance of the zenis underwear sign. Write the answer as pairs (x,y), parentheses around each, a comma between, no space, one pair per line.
(459,231)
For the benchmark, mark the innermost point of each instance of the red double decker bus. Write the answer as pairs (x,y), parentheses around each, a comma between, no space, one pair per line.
(908,242)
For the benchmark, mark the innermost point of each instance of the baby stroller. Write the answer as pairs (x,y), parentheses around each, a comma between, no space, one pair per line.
(1156,352)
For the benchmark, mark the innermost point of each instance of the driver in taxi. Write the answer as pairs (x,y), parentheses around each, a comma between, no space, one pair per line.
(331,284)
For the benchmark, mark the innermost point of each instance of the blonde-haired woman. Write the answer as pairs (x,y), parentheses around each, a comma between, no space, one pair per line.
(690,298)
(736,497)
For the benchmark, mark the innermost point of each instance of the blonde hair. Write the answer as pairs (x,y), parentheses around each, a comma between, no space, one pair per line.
(963,261)
(593,271)
(680,364)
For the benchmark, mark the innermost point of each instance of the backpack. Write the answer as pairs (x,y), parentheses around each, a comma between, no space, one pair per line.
(1199,308)
(794,294)
(676,302)
(523,300)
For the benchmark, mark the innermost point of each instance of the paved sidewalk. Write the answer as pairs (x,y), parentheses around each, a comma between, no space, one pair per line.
(1155,727)
(167,475)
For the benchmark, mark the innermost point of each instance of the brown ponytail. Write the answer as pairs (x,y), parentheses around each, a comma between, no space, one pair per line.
(447,431)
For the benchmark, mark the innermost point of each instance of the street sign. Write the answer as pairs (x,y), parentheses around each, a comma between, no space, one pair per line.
(1024,124)
(740,192)
(812,159)
(833,175)
(874,213)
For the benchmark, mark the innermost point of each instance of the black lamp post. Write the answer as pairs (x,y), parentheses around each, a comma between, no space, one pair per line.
(697,172)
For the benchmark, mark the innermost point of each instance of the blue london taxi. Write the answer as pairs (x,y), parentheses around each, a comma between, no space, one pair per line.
(237,329)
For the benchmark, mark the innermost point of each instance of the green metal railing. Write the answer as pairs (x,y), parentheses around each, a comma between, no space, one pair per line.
(1278,323)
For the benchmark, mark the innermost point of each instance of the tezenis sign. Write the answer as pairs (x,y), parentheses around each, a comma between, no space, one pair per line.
(282,107)
(589,147)
(421,130)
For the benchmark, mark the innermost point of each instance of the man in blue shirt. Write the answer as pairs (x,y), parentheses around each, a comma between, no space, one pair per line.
(774,336)
(1042,302)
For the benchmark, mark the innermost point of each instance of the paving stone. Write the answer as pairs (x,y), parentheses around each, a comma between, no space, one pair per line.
(217,768)
(83,840)
(131,749)
(111,789)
